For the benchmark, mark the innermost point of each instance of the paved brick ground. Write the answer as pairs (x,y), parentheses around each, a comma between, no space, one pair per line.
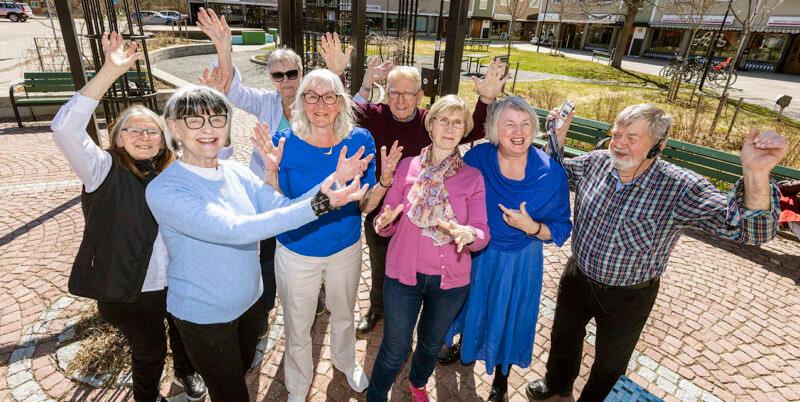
(724,327)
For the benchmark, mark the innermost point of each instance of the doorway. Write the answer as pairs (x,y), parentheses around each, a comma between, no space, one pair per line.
(792,63)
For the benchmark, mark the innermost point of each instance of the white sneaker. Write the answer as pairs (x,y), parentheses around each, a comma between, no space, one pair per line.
(293,398)
(357,378)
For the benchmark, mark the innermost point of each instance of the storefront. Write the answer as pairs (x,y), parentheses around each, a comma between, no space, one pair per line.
(599,37)
(594,32)
(666,41)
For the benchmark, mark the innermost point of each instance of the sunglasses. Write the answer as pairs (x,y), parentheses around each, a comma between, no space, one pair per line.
(291,75)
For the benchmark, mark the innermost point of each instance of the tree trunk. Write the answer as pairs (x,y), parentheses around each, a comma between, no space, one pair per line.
(631,9)
(510,26)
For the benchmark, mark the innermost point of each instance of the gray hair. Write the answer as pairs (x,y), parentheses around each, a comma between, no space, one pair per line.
(195,100)
(657,119)
(407,72)
(344,122)
(448,104)
(284,54)
(499,106)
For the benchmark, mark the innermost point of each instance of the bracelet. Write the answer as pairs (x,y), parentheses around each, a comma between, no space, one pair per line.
(537,230)
(380,183)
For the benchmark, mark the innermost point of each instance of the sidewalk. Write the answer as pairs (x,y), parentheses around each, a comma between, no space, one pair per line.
(759,88)
(724,327)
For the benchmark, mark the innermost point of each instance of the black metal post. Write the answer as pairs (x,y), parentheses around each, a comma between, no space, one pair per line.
(73,50)
(291,32)
(539,28)
(358,11)
(454,51)
(437,52)
(712,45)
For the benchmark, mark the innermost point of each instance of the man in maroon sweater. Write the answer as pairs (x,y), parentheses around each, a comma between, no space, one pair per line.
(402,120)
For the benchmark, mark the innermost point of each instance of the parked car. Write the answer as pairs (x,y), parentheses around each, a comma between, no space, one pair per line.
(26,8)
(149,17)
(545,41)
(15,12)
(175,14)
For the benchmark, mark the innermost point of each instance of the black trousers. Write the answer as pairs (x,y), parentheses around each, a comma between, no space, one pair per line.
(377,246)
(223,352)
(142,323)
(266,257)
(620,314)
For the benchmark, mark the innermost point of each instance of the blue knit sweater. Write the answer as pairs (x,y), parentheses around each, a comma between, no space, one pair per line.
(211,229)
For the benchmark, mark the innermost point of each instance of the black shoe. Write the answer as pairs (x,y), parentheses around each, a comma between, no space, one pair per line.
(449,354)
(193,385)
(161,399)
(538,391)
(498,395)
(368,321)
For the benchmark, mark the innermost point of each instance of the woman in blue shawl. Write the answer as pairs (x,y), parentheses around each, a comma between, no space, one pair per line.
(527,200)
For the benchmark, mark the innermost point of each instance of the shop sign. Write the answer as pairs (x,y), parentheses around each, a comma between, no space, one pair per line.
(783,21)
(689,19)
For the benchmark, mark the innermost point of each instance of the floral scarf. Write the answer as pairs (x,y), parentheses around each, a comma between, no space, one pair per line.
(428,197)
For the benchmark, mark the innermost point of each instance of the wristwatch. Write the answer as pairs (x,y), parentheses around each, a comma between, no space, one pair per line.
(321,204)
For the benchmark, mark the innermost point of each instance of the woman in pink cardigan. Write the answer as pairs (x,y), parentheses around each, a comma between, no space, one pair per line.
(435,211)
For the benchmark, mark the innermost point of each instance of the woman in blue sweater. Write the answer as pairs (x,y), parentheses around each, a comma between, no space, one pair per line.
(527,200)
(212,214)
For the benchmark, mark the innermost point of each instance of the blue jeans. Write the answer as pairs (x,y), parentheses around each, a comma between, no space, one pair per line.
(402,304)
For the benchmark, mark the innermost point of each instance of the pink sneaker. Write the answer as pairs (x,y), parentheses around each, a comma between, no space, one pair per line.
(418,394)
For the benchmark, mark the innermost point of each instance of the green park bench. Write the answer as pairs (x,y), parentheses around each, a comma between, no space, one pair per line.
(585,135)
(55,88)
(603,55)
(477,44)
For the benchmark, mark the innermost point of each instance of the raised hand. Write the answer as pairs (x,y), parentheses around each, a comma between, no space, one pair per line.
(491,84)
(761,152)
(270,154)
(348,168)
(376,71)
(461,234)
(389,163)
(214,27)
(518,218)
(387,216)
(119,58)
(216,79)
(335,59)
(344,195)
(561,133)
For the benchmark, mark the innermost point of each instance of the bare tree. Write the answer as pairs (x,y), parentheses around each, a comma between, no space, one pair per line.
(517,9)
(626,9)
(692,13)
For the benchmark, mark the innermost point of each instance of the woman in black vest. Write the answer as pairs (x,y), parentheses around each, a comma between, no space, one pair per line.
(122,259)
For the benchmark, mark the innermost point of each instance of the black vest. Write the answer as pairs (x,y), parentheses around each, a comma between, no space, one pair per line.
(118,237)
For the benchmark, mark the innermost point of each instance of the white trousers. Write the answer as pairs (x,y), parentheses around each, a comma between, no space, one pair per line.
(299,279)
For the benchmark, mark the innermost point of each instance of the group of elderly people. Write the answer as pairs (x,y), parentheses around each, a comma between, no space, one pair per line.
(176,230)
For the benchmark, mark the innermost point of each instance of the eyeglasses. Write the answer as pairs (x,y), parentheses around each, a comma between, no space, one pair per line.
(312,98)
(292,75)
(444,122)
(407,96)
(196,122)
(139,133)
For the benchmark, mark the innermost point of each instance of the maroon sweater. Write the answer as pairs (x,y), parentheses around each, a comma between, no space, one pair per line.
(411,135)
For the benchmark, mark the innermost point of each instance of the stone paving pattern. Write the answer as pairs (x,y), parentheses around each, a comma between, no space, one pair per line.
(724,326)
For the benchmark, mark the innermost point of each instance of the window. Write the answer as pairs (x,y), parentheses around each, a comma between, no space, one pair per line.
(483,4)
(767,47)
(534,4)
(503,2)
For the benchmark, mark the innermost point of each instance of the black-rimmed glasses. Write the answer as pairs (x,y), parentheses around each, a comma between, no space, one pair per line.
(312,98)
(139,133)
(215,120)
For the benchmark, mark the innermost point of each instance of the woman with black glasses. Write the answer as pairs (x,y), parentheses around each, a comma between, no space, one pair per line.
(212,213)
(122,260)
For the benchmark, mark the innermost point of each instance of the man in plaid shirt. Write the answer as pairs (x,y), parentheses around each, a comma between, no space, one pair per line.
(630,209)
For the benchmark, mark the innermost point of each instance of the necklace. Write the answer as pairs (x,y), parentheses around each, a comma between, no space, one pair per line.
(328,152)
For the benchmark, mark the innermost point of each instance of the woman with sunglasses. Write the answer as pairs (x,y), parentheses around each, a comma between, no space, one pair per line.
(212,214)
(122,260)
(435,213)
(273,107)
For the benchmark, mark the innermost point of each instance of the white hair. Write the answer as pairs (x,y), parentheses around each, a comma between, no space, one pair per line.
(657,119)
(499,106)
(345,119)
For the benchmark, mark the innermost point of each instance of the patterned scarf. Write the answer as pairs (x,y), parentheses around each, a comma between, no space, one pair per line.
(428,197)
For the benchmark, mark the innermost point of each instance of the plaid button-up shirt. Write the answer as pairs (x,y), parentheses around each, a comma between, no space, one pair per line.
(624,235)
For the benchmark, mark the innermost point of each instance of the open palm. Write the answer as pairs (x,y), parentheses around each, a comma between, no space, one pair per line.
(117,55)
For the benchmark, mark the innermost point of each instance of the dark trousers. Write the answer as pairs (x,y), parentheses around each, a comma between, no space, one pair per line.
(377,246)
(266,257)
(223,352)
(403,303)
(620,314)
(142,324)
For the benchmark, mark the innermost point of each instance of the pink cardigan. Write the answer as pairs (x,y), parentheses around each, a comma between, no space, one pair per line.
(411,252)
